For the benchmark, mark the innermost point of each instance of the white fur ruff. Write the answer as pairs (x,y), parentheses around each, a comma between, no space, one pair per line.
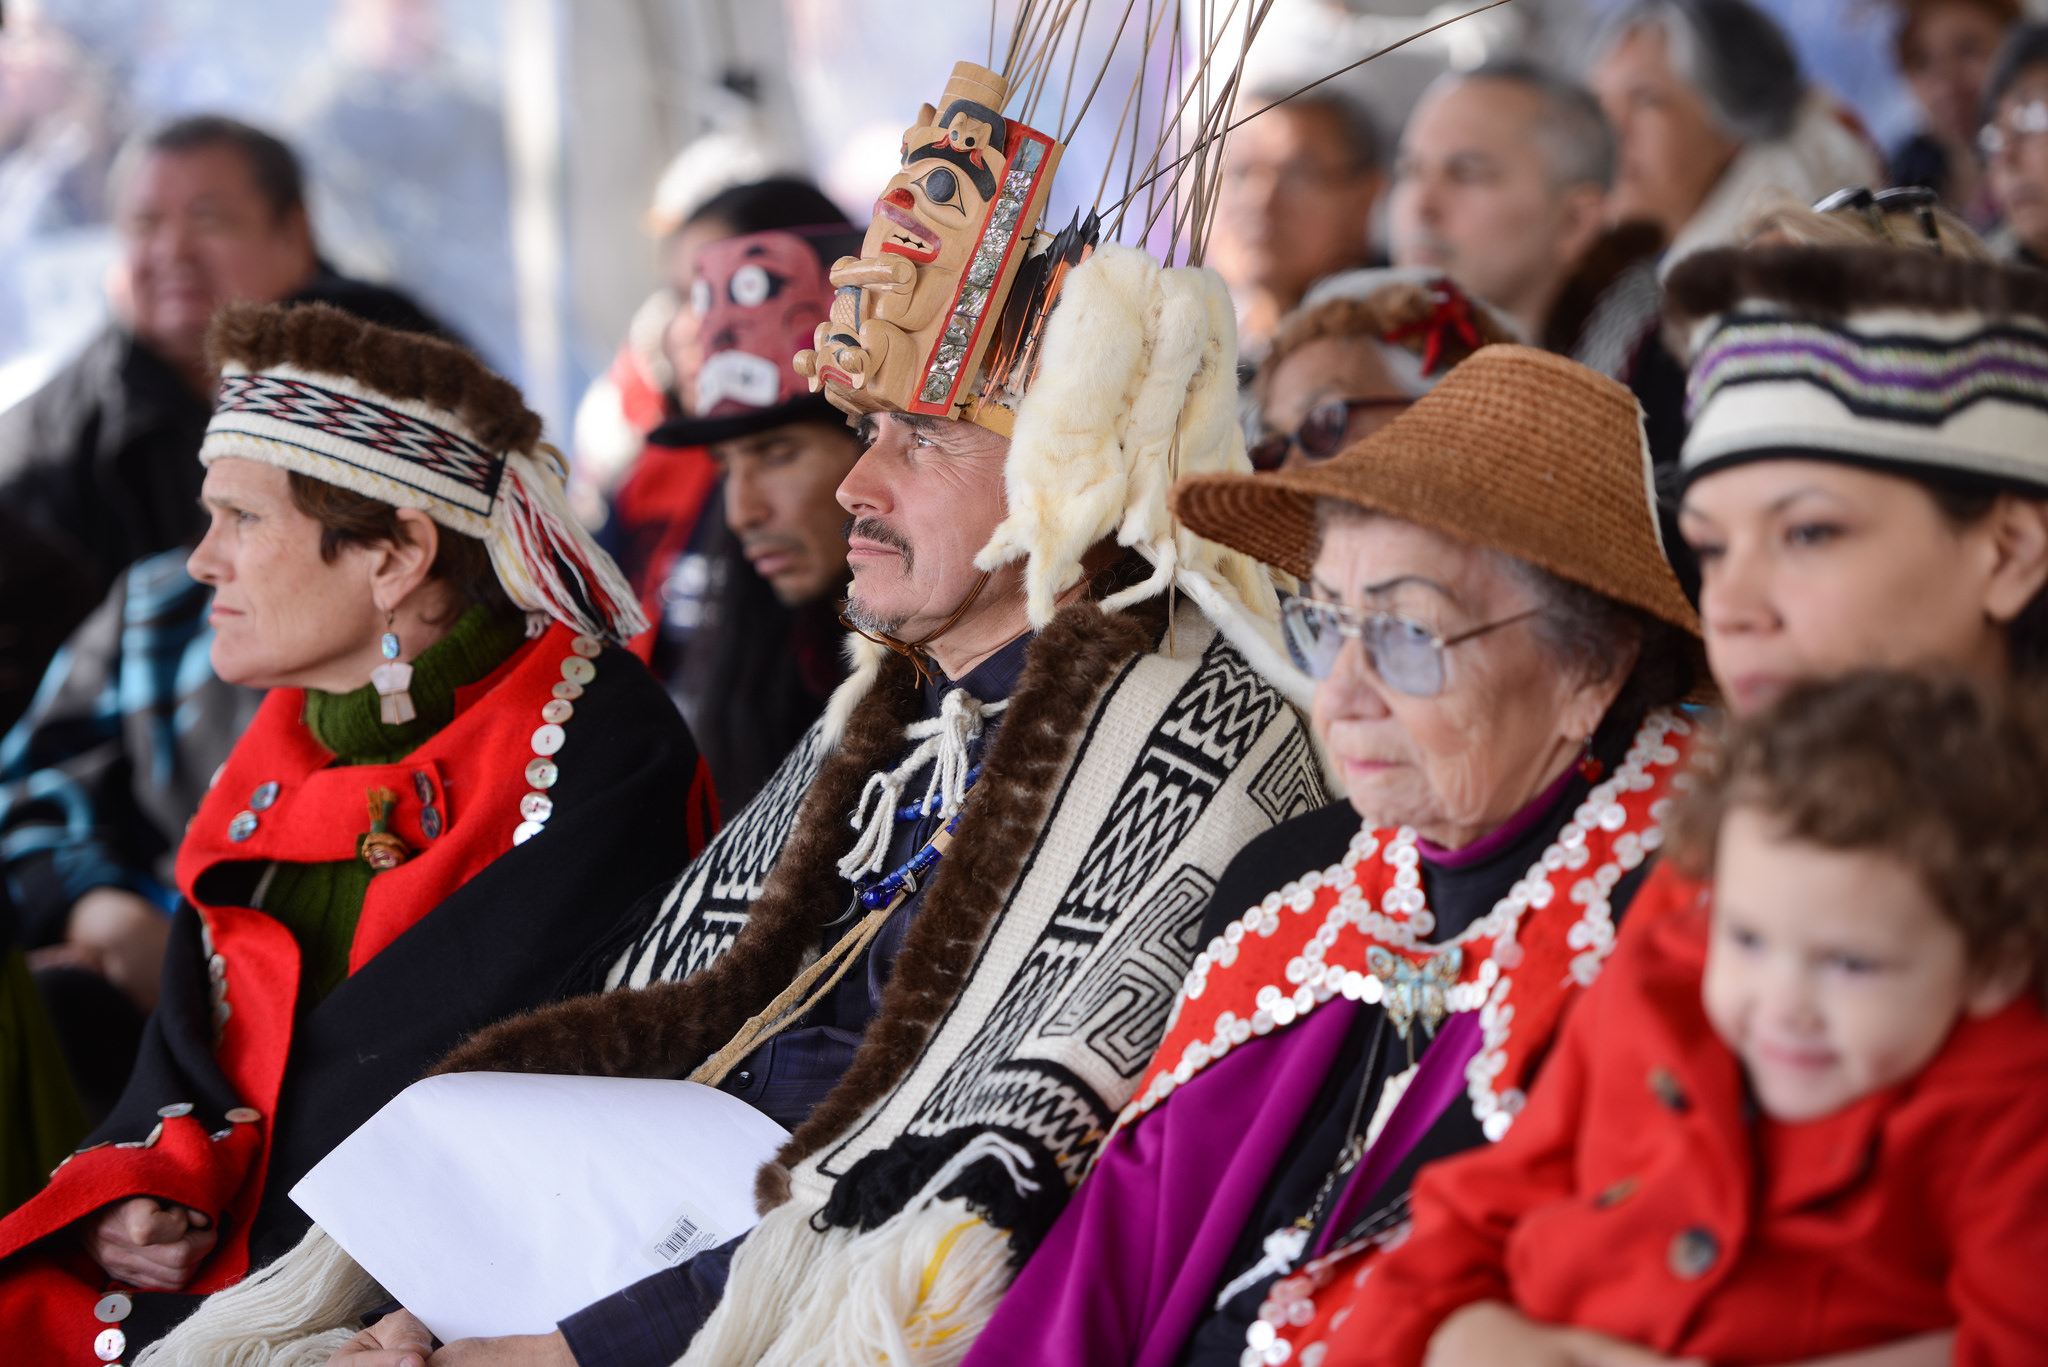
(1137,387)
(912,1293)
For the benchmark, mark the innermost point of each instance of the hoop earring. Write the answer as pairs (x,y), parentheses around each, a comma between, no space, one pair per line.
(393,680)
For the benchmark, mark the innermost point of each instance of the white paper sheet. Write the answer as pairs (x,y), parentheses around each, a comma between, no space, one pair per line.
(499,1203)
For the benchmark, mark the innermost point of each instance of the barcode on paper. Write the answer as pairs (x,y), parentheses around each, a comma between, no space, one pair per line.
(683,1236)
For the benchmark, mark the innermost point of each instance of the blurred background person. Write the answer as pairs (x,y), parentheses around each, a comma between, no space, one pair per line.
(668,482)
(210,211)
(1503,181)
(1299,186)
(1712,112)
(749,638)
(59,129)
(1945,50)
(2015,143)
(411,178)
(622,405)
(97,783)
(1361,348)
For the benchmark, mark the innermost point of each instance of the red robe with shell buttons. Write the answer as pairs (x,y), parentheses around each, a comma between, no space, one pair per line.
(468,930)
(1636,1195)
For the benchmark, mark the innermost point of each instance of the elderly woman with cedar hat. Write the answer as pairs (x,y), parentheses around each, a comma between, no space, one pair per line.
(456,789)
(1498,644)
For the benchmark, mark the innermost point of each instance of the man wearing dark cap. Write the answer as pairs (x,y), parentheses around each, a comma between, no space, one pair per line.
(748,617)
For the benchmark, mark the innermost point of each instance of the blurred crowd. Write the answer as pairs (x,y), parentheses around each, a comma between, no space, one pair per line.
(1535,257)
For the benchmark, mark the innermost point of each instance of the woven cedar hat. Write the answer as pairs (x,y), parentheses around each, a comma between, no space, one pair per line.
(1517,450)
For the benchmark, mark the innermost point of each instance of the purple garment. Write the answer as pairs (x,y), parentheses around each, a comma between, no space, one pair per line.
(1130,1268)
(1133,1264)
(1438,1081)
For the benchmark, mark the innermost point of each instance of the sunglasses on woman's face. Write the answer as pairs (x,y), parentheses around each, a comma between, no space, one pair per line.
(1321,434)
(1407,656)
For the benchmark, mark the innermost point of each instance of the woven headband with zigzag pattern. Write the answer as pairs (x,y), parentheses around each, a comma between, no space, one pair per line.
(410,453)
(408,449)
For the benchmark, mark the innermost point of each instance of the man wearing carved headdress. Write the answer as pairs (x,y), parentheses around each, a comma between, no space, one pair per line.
(982,871)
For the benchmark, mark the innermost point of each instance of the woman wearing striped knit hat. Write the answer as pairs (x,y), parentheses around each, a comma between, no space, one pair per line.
(456,788)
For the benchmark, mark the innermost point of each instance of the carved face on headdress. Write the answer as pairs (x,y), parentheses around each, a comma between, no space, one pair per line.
(916,310)
(756,299)
(932,211)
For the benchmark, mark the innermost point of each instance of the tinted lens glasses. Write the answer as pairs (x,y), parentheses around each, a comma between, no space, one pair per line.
(1321,434)
(1407,656)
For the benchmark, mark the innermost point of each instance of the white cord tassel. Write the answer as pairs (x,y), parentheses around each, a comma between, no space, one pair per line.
(942,742)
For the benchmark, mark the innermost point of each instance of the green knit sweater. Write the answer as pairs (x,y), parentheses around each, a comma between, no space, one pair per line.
(321,903)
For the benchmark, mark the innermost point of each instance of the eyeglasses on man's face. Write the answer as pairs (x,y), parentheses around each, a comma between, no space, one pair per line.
(1407,656)
(1321,433)
(2004,133)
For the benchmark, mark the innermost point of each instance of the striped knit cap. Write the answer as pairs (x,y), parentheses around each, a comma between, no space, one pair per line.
(1930,366)
(416,423)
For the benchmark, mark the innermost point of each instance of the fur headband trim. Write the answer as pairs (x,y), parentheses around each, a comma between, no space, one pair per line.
(399,365)
(1837,283)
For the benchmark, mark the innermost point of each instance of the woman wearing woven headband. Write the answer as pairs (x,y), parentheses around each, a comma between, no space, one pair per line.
(1497,641)
(1361,348)
(454,790)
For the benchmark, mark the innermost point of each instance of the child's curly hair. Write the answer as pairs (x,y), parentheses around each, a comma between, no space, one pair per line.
(1946,775)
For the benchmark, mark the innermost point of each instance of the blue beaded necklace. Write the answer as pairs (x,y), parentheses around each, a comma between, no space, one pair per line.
(905,880)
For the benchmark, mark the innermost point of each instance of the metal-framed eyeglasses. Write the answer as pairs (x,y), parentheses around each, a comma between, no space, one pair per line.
(2019,122)
(1877,206)
(1407,655)
(1321,434)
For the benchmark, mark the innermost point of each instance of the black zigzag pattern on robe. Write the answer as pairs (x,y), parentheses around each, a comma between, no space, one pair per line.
(1206,733)
(725,881)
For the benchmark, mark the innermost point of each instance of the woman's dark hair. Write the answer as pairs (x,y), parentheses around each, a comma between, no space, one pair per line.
(348,518)
(1589,634)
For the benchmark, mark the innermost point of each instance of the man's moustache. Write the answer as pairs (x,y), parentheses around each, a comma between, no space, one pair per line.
(877,531)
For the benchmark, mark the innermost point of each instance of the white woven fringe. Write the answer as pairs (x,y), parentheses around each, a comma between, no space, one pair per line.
(294,1313)
(914,1292)
(942,742)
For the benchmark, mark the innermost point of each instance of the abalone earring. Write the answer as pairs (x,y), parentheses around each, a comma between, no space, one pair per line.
(393,680)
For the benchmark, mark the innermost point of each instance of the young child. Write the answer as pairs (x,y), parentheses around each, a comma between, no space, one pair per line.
(1809,1120)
